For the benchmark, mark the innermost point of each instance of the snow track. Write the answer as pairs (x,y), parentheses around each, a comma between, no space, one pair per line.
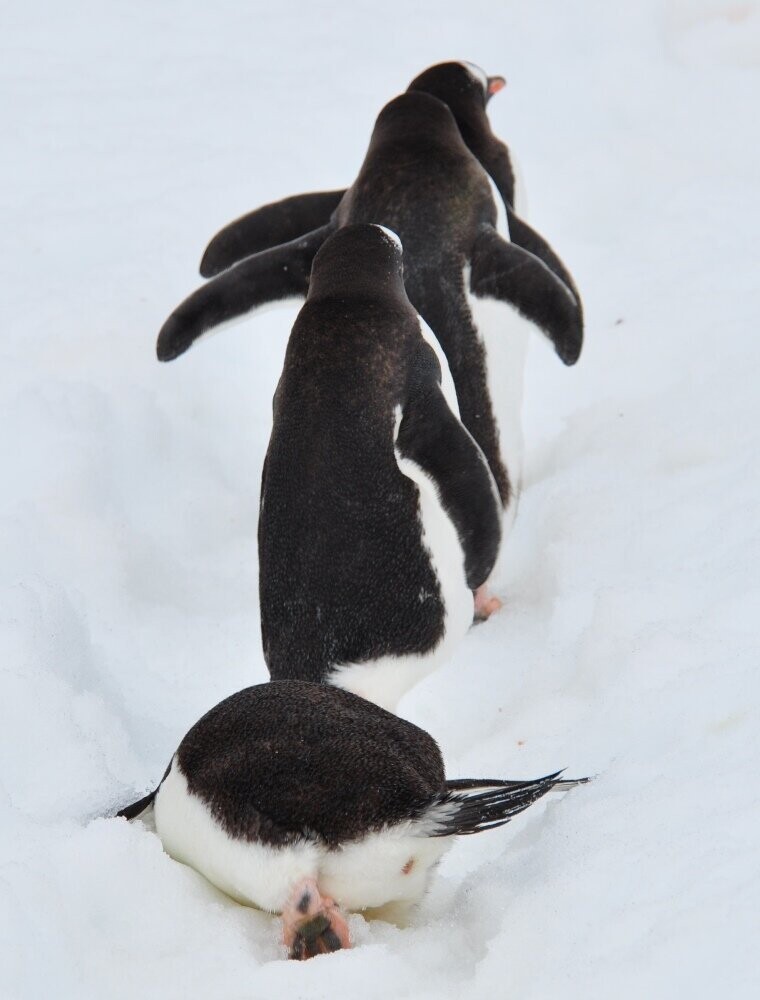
(627,645)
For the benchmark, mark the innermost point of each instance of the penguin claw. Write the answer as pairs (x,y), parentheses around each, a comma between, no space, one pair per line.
(312,924)
(485,604)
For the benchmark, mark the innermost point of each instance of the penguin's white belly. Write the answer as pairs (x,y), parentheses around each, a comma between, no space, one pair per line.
(389,866)
(385,680)
(504,334)
(521,196)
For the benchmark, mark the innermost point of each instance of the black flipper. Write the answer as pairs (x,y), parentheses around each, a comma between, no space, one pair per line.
(280,273)
(463,809)
(506,271)
(435,439)
(268,226)
(522,234)
(133,810)
(136,809)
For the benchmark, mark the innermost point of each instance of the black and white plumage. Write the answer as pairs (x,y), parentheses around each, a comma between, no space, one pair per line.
(379,515)
(292,783)
(478,279)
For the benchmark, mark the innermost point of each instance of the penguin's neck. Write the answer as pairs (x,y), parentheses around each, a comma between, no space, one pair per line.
(376,283)
(492,155)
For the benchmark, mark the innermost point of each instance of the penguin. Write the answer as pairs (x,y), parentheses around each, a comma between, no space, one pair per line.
(420,180)
(308,801)
(379,517)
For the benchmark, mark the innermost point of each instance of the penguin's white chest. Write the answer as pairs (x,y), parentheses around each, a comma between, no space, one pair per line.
(392,865)
(504,334)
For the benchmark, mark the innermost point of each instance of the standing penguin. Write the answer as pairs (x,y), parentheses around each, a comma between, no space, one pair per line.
(379,515)
(420,180)
(300,799)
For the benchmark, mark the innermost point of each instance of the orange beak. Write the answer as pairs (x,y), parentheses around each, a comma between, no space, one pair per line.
(495,84)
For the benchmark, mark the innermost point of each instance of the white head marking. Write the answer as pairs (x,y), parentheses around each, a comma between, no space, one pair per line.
(479,74)
(390,234)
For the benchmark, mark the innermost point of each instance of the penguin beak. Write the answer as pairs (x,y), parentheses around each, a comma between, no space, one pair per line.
(495,84)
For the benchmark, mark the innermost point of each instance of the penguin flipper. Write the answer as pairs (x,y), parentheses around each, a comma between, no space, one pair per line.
(527,238)
(268,226)
(270,276)
(433,438)
(135,809)
(518,276)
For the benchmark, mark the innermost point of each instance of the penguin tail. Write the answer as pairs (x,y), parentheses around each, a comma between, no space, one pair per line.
(135,809)
(471,805)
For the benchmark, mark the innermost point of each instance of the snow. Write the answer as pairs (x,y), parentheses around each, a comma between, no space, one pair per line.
(128,606)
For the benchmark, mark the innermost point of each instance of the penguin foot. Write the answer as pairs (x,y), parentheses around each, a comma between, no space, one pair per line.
(312,924)
(485,604)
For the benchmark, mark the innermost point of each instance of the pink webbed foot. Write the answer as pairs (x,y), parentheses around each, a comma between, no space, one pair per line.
(312,924)
(485,604)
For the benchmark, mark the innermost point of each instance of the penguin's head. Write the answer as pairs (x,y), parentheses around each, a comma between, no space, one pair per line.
(357,258)
(465,87)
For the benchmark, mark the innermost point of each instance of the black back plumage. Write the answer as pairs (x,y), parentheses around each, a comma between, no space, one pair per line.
(289,758)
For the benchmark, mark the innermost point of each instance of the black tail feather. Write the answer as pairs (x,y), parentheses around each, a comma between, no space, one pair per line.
(465,784)
(462,809)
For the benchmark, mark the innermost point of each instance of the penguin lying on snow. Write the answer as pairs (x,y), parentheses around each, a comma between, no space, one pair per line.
(300,799)
(478,291)
(379,515)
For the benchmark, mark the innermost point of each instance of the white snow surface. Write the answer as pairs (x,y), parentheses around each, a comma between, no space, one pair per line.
(627,645)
